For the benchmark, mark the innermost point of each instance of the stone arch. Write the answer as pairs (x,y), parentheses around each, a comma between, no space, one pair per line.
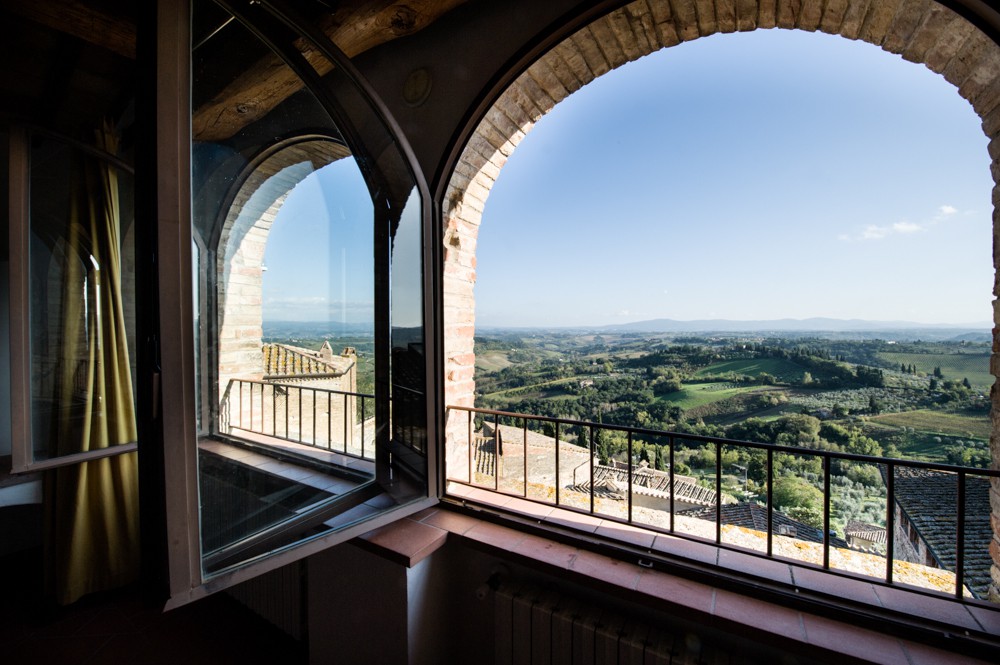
(921,31)
(240,251)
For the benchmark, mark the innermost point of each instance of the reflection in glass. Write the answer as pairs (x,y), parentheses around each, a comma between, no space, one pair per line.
(295,221)
(82,313)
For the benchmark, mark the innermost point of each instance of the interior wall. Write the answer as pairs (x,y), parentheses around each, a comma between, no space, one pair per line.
(5,434)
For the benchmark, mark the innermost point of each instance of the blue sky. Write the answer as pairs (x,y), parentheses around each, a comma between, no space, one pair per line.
(319,253)
(764,175)
(761,175)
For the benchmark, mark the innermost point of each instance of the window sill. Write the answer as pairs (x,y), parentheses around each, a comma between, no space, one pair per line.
(807,610)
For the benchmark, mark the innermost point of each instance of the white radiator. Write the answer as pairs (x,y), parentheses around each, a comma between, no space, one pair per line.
(537,627)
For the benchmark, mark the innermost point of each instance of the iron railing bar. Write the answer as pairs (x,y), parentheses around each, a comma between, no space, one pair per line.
(590,462)
(770,502)
(672,441)
(468,452)
(557,463)
(329,423)
(960,537)
(890,519)
(345,423)
(496,435)
(630,480)
(314,417)
(826,513)
(718,492)
(525,488)
(241,404)
(363,426)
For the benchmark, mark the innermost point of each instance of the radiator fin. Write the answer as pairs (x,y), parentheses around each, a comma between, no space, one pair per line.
(542,627)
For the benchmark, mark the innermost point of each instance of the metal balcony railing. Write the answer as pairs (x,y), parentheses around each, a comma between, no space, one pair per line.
(332,420)
(485,446)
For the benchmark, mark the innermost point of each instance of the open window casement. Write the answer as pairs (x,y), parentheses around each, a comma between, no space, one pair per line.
(281,439)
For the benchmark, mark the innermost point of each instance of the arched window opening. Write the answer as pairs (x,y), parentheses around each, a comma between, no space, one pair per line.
(633,422)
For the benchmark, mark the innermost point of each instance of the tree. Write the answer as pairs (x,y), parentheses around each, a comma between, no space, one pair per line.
(937,373)
(873,405)
(807,378)
(793,492)
(967,383)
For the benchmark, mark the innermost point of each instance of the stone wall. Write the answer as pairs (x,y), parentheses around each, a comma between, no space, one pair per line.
(921,31)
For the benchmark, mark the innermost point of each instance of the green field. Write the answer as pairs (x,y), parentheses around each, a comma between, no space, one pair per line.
(939,422)
(784,370)
(492,361)
(954,366)
(700,394)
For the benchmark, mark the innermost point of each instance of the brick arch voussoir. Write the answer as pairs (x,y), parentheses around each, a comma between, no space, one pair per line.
(920,31)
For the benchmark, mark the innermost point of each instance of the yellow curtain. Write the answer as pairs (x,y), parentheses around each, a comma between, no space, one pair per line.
(93,507)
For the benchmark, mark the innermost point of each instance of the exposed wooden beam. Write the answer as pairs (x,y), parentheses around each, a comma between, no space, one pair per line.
(354,27)
(79,20)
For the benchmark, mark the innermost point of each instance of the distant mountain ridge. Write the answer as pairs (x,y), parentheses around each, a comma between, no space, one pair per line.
(815,324)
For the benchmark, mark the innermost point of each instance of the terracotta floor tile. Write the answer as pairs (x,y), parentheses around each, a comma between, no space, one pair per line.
(687,549)
(578,521)
(529,508)
(677,590)
(754,565)
(749,611)
(854,641)
(498,536)
(937,609)
(988,619)
(547,551)
(626,534)
(409,541)
(612,571)
(842,587)
(451,521)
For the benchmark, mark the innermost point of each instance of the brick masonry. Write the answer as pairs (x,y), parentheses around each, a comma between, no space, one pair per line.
(921,31)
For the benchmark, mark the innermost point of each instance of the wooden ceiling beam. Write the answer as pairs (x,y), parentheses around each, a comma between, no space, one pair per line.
(354,27)
(79,20)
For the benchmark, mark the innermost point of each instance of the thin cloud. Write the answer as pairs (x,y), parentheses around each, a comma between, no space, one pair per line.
(905,227)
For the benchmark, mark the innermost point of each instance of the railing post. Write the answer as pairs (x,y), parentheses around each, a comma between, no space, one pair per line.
(826,512)
(770,501)
(496,450)
(524,421)
(345,423)
(469,448)
(591,462)
(718,492)
(890,519)
(557,463)
(671,441)
(630,478)
(960,537)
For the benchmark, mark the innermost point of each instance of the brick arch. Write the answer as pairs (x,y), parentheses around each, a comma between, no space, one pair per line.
(240,252)
(921,31)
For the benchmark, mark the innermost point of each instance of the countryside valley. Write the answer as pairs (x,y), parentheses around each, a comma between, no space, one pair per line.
(916,394)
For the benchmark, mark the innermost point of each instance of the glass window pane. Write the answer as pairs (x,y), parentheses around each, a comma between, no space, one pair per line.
(301,202)
(82,299)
